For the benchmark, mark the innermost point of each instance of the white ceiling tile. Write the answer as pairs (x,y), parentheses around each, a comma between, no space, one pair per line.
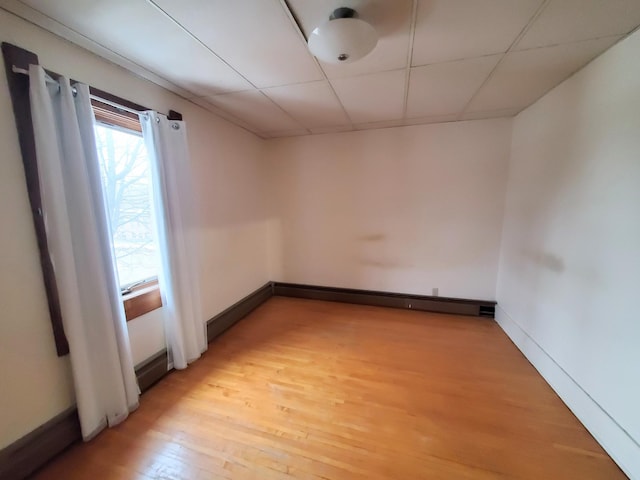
(312,104)
(372,98)
(455,29)
(525,76)
(156,43)
(208,105)
(257,38)
(47,23)
(392,21)
(446,88)
(260,39)
(256,109)
(509,112)
(564,21)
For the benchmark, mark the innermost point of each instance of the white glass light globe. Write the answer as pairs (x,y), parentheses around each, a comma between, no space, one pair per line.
(343,40)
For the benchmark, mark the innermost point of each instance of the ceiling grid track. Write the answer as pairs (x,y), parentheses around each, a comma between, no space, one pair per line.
(152,77)
(302,127)
(255,130)
(102,47)
(191,35)
(412,35)
(298,28)
(293,93)
(526,28)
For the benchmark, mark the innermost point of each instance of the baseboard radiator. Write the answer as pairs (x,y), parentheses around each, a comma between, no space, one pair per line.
(457,306)
(26,455)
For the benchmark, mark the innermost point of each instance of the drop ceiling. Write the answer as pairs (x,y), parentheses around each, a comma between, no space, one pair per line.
(436,60)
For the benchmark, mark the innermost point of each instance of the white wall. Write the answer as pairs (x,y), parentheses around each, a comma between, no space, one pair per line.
(403,209)
(569,282)
(35,384)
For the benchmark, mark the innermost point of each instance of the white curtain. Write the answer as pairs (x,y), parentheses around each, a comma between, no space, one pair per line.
(82,253)
(166,142)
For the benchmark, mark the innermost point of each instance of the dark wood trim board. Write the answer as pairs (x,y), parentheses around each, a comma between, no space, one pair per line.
(23,457)
(26,455)
(226,319)
(152,370)
(458,306)
(19,91)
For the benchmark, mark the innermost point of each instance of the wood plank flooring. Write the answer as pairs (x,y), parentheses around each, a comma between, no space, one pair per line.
(315,390)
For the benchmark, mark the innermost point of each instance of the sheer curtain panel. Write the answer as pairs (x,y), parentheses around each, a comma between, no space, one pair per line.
(166,142)
(78,233)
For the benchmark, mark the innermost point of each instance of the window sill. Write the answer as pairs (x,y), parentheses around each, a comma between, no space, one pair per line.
(142,300)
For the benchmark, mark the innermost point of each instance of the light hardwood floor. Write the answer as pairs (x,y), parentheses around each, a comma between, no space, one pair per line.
(316,390)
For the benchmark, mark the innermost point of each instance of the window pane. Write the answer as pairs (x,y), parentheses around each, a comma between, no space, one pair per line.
(126,176)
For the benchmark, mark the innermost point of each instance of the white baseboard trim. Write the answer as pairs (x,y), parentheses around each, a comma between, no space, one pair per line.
(624,450)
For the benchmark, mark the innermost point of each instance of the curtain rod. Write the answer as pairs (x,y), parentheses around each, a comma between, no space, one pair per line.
(172,115)
(50,79)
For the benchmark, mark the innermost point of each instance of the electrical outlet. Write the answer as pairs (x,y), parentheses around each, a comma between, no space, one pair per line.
(434,291)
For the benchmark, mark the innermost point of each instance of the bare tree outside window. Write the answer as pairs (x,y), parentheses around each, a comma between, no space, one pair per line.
(126,177)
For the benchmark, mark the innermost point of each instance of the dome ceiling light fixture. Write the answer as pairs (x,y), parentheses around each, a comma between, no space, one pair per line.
(343,38)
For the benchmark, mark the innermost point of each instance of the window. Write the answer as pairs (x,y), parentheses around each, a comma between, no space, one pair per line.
(138,299)
(126,178)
